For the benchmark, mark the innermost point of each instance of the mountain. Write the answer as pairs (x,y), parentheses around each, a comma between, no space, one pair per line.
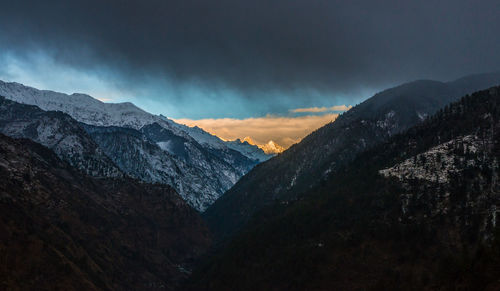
(245,147)
(202,137)
(59,132)
(249,149)
(156,155)
(324,151)
(220,148)
(63,230)
(272,148)
(91,111)
(200,171)
(81,107)
(416,212)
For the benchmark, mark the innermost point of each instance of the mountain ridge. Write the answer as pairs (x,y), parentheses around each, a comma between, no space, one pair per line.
(59,132)
(416,212)
(306,164)
(84,108)
(61,229)
(201,173)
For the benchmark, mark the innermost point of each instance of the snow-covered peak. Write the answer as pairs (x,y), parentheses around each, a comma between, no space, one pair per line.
(153,148)
(201,136)
(250,150)
(272,148)
(249,140)
(89,110)
(247,146)
(84,108)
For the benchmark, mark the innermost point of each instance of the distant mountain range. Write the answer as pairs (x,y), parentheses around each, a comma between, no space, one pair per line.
(249,149)
(306,164)
(272,148)
(395,207)
(266,151)
(152,148)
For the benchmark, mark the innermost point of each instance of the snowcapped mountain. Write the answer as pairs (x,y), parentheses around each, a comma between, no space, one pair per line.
(246,147)
(59,132)
(250,150)
(155,155)
(81,107)
(272,148)
(89,110)
(153,148)
(201,136)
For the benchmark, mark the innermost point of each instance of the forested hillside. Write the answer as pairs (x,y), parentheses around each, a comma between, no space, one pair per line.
(63,230)
(303,166)
(417,212)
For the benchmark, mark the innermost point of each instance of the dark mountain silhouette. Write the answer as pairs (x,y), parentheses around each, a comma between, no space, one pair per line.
(294,172)
(63,230)
(417,212)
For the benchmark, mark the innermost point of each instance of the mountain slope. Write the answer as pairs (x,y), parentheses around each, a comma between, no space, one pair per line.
(249,150)
(307,163)
(81,107)
(418,212)
(200,171)
(62,230)
(207,143)
(59,132)
(156,155)
(208,140)
(91,111)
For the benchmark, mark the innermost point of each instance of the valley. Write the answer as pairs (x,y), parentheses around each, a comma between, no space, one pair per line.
(117,198)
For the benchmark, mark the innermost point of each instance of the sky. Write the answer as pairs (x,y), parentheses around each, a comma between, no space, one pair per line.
(244,61)
(283,130)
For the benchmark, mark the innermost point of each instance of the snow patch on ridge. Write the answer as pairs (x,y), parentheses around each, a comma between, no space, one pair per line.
(438,163)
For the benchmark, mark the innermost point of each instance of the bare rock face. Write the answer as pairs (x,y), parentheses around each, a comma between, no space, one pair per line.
(61,229)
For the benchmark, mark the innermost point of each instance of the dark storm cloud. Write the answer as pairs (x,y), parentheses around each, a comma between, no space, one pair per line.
(262,44)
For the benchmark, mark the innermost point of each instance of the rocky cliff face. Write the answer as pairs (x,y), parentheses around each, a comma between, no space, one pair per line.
(61,229)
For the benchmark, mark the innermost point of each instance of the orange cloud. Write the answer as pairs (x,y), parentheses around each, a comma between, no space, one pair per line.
(285,131)
(321,109)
